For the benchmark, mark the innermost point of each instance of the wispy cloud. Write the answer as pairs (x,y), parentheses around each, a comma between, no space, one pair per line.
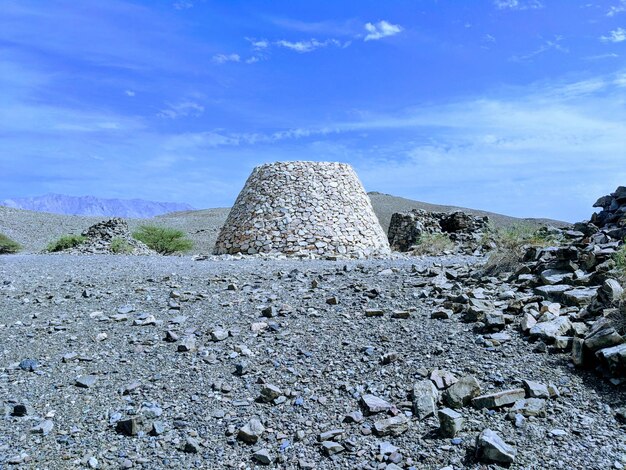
(518,4)
(548,45)
(130,93)
(617,35)
(308,46)
(380,30)
(181,109)
(223,58)
(615,9)
(610,55)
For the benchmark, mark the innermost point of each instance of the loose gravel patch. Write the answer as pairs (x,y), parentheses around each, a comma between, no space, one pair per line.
(158,362)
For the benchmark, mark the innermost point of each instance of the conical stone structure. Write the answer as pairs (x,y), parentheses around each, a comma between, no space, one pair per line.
(303,209)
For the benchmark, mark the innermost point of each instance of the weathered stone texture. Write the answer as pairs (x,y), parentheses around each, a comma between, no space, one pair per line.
(303,209)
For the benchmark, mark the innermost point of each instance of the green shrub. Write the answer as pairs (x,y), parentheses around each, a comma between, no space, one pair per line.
(65,243)
(8,246)
(120,246)
(433,244)
(163,240)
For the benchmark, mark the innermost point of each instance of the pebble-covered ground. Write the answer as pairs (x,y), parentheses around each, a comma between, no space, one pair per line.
(156,362)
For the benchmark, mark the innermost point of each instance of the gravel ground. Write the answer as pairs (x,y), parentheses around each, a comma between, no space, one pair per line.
(104,319)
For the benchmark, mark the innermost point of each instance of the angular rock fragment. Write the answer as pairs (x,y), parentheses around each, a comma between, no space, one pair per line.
(535,389)
(491,448)
(460,394)
(425,398)
(450,422)
(251,432)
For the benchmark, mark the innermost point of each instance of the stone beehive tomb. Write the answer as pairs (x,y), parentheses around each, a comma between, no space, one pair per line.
(303,209)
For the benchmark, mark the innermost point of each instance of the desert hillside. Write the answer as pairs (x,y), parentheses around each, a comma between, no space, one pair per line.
(34,230)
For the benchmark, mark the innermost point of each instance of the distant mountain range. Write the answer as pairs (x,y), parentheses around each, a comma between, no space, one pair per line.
(94,206)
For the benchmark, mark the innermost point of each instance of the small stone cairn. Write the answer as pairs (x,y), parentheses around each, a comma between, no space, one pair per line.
(101,235)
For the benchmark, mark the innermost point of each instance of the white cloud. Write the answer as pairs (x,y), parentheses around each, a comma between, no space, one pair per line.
(617,35)
(258,44)
(381,30)
(129,93)
(181,109)
(615,9)
(307,46)
(518,4)
(222,58)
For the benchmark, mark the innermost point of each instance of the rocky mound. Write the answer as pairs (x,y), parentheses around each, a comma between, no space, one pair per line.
(569,297)
(467,231)
(303,209)
(111,237)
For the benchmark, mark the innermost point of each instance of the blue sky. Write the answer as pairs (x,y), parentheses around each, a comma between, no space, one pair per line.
(514,106)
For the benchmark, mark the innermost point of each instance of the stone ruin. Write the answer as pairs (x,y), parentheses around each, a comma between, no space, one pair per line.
(100,236)
(306,209)
(406,229)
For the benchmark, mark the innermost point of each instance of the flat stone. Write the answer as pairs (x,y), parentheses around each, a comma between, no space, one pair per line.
(393,426)
(331,448)
(602,335)
(374,312)
(529,407)
(373,404)
(498,399)
(580,297)
(553,293)
(86,381)
(548,331)
(554,276)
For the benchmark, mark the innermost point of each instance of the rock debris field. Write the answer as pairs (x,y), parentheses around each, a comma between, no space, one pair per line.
(163,362)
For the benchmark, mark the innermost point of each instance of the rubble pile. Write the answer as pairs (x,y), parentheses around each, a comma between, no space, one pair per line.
(111,237)
(465,230)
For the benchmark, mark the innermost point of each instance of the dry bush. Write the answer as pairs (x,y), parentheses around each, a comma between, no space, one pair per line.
(433,244)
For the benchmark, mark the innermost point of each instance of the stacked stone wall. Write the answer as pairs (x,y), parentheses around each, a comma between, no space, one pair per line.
(303,209)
